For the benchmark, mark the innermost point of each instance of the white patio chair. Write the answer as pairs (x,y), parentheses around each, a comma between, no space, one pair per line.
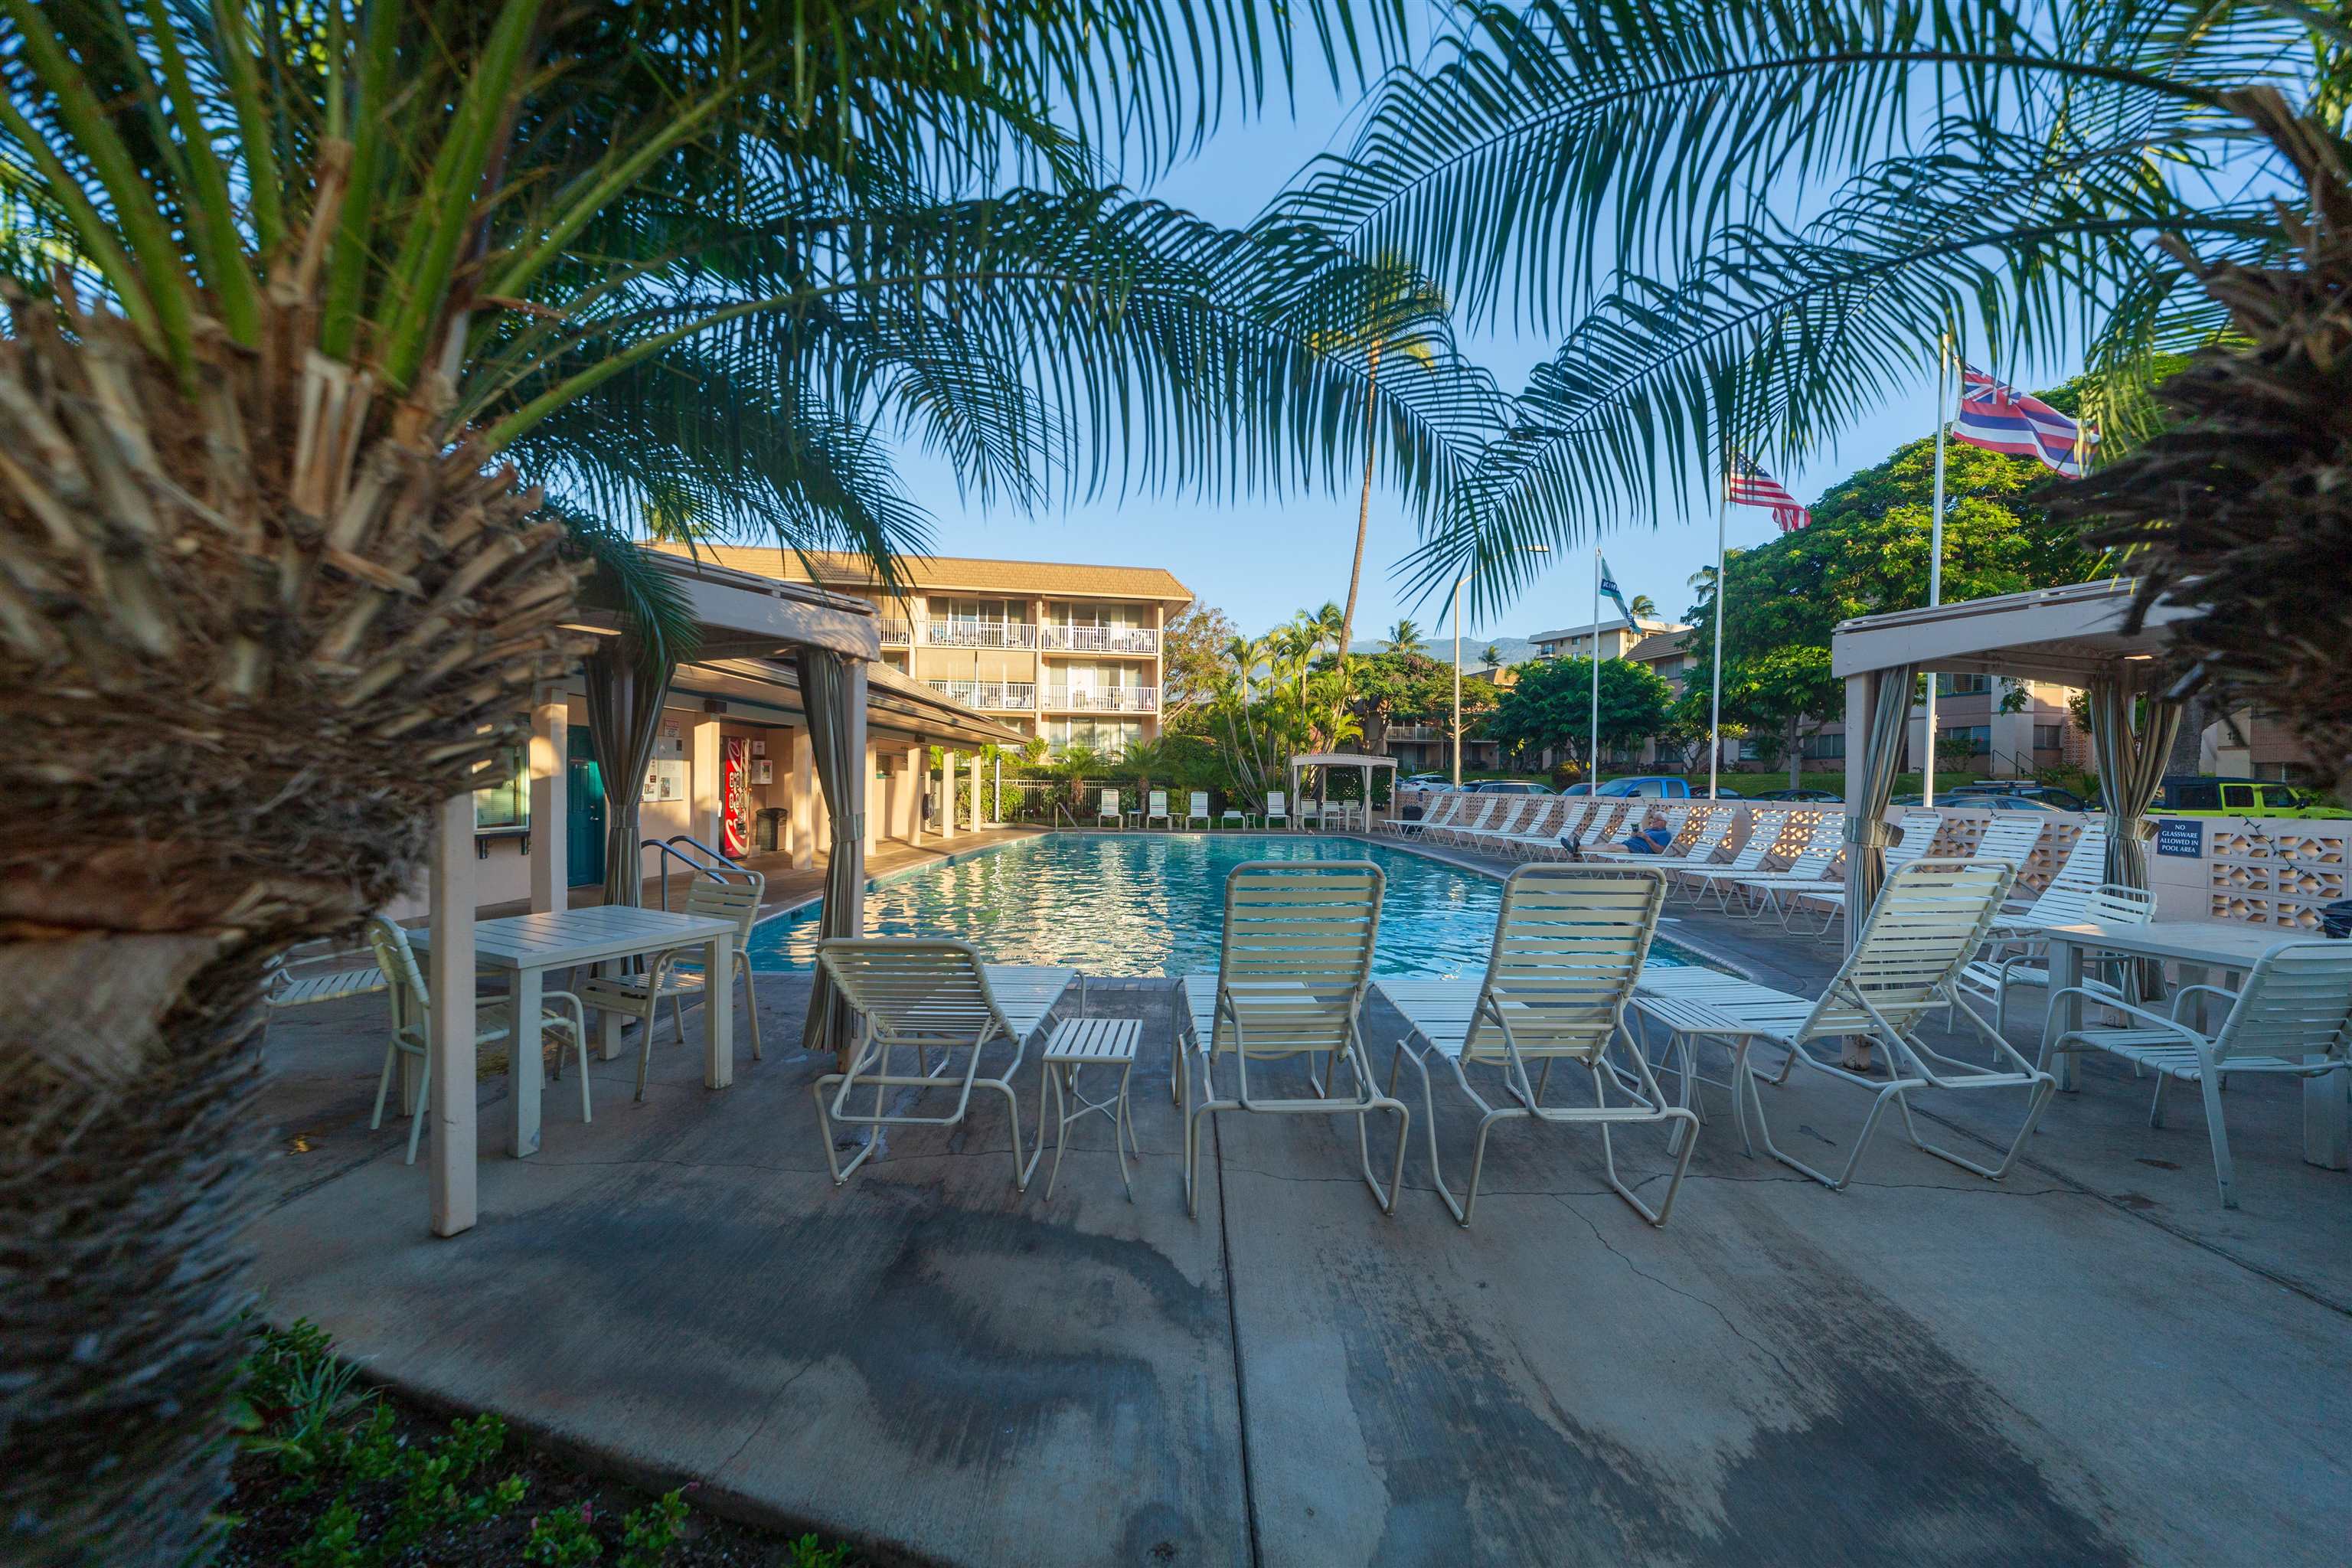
(926,995)
(665,978)
(1277,809)
(1928,921)
(1697,834)
(1295,963)
(2294,1017)
(2083,870)
(1538,832)
(411,1025)
(2009,838)
(1436,813)
(1569,943)
(1483,810)
(1517,814)
(1815,849)
(1547,840)
(2026,961)
(1233,815)
(308,979)
(1106,809)
(1155,809)
(1198,809)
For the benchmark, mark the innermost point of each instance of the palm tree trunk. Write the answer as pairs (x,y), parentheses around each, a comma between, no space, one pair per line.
(1364,503)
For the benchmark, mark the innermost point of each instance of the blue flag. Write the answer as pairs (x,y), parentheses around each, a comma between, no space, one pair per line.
(1609,591)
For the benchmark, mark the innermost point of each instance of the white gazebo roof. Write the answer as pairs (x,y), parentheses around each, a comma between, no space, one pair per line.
(2065,635)
(1340,759)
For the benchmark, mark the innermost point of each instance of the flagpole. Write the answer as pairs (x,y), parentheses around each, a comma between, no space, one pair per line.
(1714,691)
(1936,561)
(1593,785)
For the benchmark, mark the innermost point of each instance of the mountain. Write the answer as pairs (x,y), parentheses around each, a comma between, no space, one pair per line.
(1514,650)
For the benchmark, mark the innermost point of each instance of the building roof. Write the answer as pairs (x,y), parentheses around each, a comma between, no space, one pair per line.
(1644,625)
(1657,645)
(948,574)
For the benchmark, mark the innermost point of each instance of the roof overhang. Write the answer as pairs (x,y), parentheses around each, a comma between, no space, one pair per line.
(1340,759)
(743,615)
(2066,634)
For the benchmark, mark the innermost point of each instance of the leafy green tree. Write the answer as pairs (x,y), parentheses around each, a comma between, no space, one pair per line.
(1550,706)
(1192,659)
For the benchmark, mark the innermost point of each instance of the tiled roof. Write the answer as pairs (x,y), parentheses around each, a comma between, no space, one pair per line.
(952,574)
(1657,645)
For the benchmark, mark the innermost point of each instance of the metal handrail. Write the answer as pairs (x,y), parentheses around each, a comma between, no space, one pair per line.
(719,872)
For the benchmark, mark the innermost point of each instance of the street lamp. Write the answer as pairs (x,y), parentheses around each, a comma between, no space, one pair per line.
(1458,582)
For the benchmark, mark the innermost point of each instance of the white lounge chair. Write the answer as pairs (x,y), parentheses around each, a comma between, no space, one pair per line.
(411,1025)
(1539,832)
(1106,809)
(924,996)
(1568,942)
(309,979)
(2010,838)
(1155,809)
(2083,870)
(1517,814)
(1817,847)
(1277,809)
(1697,847)
(1198,810)
(2027,961)
(2294,1017)
(1482,811)
(1681,821)
(1436,813)
(1292,968)
(1928,922)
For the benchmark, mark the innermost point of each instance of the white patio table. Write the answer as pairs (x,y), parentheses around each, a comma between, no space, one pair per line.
(2198,947)
(527,946)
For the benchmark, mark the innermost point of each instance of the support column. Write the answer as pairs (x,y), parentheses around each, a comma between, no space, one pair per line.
(854,728)
(918,774)
(452,1133)
(1858,705)
(550,751)
(807,821)
(708,798)
(977,816)
(874,800)
(947,794)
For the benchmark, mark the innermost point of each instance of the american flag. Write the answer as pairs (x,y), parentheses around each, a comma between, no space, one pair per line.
(1748,484)
(2000,418)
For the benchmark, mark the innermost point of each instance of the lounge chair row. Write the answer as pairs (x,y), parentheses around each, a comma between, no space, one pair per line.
(1277,812)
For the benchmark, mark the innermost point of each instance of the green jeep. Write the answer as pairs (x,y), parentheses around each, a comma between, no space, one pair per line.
(2190,795)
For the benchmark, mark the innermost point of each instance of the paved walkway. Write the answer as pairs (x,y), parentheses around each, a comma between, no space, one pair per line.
(2088,1363)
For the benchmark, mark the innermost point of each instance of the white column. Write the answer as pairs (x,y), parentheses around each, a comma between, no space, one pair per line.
(551,870)
(708,798)
(947,794)
(1857,769)
(808,819)
(917,770)
(854,723)
(449,979)
(977,816)
(874,799)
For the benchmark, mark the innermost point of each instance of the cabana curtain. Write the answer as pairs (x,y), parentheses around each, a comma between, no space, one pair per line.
(839,764)
(2131,770)
(626,682)
(1866,833)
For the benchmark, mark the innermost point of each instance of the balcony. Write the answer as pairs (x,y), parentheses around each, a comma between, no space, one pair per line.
(895,633)
(979,634)
(1100,639)
(991,696)
(1103,699)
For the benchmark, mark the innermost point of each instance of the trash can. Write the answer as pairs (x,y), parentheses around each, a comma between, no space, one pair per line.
(767,831)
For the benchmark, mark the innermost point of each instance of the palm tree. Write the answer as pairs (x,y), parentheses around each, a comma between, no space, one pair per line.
(303,297)
(1492,658)
(1330,624)
(1642,605)
(2149,177)
(1403,638)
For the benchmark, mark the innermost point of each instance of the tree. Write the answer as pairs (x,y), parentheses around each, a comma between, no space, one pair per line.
(1551,706)
(302,296)
(2139,177)
(1493,656)
(1403,638)
(1641,606)
(1192,651)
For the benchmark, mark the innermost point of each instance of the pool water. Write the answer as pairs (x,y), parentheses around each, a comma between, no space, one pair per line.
(1130,904)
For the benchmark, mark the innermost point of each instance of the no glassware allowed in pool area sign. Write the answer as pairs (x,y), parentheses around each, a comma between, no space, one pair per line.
(2185,838)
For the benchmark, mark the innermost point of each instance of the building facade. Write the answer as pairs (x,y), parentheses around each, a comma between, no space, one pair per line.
(1071,653)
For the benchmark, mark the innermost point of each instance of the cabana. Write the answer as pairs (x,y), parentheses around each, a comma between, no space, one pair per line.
(1307,759)
(767,652)
(2076,634)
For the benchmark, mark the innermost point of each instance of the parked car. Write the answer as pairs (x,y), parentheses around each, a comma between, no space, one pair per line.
(2190,794)
(1821,797)
(1508,786)
(1425,781)
(1982,801)
(2050,796)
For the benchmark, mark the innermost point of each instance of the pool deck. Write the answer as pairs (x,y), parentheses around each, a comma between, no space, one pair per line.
(2090,1362)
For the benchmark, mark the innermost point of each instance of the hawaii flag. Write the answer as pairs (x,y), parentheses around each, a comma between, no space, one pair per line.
(2000,418)
(1748,484)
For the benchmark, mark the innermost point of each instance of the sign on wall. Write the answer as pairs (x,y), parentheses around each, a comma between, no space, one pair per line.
(664,780)
(2181,835)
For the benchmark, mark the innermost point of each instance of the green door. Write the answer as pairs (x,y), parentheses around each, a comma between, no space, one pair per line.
(583,795)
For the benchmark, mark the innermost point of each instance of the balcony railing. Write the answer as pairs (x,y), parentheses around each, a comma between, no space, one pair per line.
(895,633)
(979,634)
(991,696)
(1103,699)
(1100,639)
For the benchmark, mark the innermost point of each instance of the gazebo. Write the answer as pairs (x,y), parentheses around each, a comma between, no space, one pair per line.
(2078,635)
(1306,760)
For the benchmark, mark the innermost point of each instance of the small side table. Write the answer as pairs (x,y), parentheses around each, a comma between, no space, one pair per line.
(1079,1043)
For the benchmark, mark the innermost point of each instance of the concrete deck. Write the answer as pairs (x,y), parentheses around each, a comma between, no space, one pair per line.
(2090,1362)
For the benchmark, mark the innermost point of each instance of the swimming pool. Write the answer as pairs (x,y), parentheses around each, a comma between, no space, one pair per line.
(1133,903)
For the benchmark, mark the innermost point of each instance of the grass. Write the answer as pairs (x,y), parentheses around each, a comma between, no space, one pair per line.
(333,1474)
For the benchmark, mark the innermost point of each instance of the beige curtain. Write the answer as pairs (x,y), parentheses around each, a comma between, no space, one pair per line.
(627,681)
(840,765)
(1866,833)
(2131,763)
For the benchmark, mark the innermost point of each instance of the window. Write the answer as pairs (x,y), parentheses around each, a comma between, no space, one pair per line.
(1109,738)
(1977,736)
(1963,685)
(504,806)
(1825,746)
(2049,737)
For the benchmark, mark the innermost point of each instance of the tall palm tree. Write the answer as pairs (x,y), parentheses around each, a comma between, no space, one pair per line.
(1642,605)
(1492,658)
(325,314)
(1329,624)
(1403,638)
(2145,176)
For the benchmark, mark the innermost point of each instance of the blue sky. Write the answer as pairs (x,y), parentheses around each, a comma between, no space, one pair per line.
(1261,557)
